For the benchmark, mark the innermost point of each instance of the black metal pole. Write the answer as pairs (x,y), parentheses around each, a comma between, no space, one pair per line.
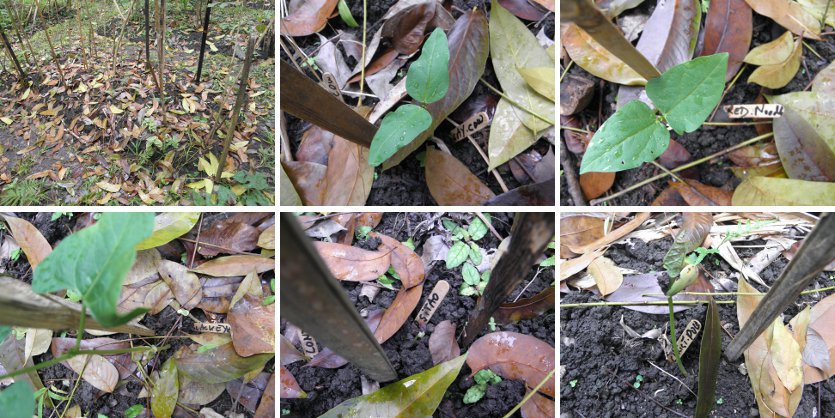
(12,54)
(203,41)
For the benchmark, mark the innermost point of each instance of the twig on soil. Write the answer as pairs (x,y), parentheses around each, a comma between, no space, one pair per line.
(805,292)
(196,243)
(650,398)
(673,376)
(489,226)
(529,394)
(642,303)
(567,67)
(571,176)
(538,270)
(682,168)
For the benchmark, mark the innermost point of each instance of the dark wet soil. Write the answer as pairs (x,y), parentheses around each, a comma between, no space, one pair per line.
(405,184)
(167,322)
(706,140)
(603,363)
(408,353)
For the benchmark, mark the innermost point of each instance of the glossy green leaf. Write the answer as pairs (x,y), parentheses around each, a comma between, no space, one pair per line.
(468,50)
(710,356)
(396,131)
(134,411)
(541,79)
(169,226)
(428,77)
(345,14)
(470,274)
(415,396)
(94,262)
(513,46)
(474,394)
(475,254)
(218,365)
(457,255)
(165,390)
(694,229)
(770,191)
(508,135)
(17,400)
(803,152)
(629,138)
(687,93)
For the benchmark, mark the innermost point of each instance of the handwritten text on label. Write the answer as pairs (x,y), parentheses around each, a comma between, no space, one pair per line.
(472,125)
(309,346)
(216,328)
(432,302)
(330,84)
(755,111)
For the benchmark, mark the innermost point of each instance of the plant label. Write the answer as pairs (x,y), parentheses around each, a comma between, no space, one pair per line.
(432,302)
(309,346)
(213,327)
(769,111)
(470,126)
(330,84)
(685,339)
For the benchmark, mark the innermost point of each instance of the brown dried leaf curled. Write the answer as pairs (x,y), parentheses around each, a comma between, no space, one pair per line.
(310,17)
(235,265)
(728,28)
(30,240)
(442,343)
(253,326)
(185,285)
(514,356)
(451,183)
(352,263)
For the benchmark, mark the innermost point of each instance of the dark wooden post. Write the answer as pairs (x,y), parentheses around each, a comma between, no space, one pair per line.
(12,54)
(239,103)
(147,41)
(203,42)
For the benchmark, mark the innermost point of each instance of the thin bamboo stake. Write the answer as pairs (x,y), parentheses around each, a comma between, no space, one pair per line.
(147,41)
(16,26)
(118,40)
(81,34)
(12,54)
(49,41)
(239,102)
(161,37)
(203,43)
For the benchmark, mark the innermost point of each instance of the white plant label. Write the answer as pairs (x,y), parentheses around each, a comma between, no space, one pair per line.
(768,111)
(309,346)
(213,327)
(330,84)
(470,126)
(685,339)
(432,302)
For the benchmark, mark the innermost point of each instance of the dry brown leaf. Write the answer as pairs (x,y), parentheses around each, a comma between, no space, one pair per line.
(698,194)
(30,240)
(406,28)
(526,308)
(594,184)
(185,285)
(514,356)
(451,183)
(398,312)
(404,260)
(573,266)
(100,372)
(266,408)
(578,230)
(289,386)
(227,236)
(788,14)
(308,179)
(198,393)
(442,343)
(349,176)
(144,269)
(613,236)
(253,326)
(606,274)
(235,265)
(353,263)
(310,17)
(267,238)
(538,407)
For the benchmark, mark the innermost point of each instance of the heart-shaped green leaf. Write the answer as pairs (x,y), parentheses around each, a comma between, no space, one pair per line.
(397,130)
(629,138)
(428,77)
(687,93)
(17,400)
(415,396)
(94,262)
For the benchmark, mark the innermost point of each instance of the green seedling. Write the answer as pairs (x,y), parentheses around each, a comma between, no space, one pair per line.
(269,300)
(573,383)
(492,324)
(466,253)
(53,393)
(685,95)
(15,254)
(427,81)
(362,232)
(638,380)
(474,284)
(346,16)
(387,281)
(482,379)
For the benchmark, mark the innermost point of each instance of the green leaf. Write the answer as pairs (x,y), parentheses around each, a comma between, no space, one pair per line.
(694,229)
(485,376)
(477,229)
(475,393)
(470,274)
(165,390)
(770,191)
(219,365)
(457,255)
(475,254)
(687,93)
(396,131)
(513,46)
(629,138)
(169,226)
(428,78)
(94,262)
(710,355)
(548,262)
(466,290)
(345,14)
(4,332)
(17,400)
(415,396)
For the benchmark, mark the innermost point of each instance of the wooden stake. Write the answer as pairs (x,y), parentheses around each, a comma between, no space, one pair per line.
(49,41)
(161,36)
(12,54)
(147,41)
(81,34)
(16,26)
(203,42)
(239,102)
